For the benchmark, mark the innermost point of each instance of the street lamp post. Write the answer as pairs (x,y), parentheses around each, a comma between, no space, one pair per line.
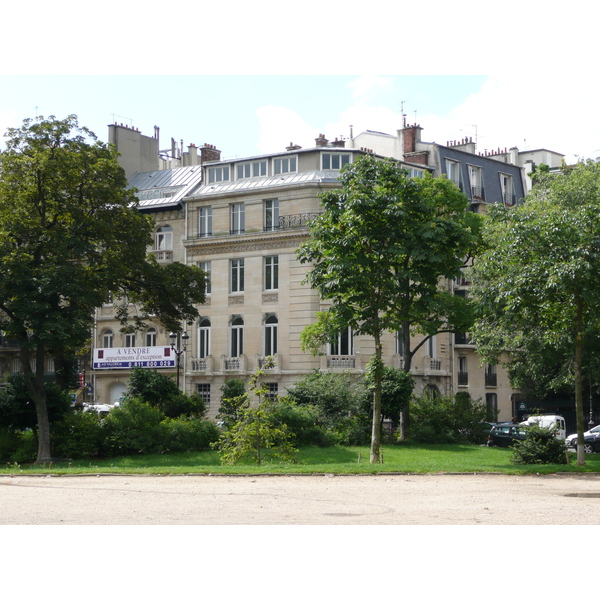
(176,346)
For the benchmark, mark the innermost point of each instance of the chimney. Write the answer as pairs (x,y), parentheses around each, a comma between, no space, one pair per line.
(209,153)
(292,147)
(321,140)
(339,143)
(411,135)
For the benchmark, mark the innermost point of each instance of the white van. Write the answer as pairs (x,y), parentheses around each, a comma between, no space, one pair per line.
(556,421)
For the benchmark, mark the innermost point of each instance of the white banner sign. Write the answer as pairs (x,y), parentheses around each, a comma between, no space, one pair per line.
(130,358)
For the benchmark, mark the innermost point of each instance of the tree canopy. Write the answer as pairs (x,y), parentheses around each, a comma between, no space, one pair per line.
(378,252)
(538,283)
(71,236)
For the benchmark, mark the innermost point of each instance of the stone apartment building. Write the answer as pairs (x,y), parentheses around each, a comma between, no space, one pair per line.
(242,220)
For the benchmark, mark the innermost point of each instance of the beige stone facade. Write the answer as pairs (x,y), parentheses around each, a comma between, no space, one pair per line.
(243,225)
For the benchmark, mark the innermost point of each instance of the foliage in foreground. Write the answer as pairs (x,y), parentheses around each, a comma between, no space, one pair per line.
(540,447)
(256,433)
(447,419)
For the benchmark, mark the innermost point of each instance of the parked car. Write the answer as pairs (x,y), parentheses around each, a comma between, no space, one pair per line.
(556,422)
(591,443)
(572,439)
(505,434)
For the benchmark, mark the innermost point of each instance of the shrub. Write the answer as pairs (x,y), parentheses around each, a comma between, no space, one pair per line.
(540,447)
(17,446)
(446,419)
(135,427)
(302,422)
(186,434)
(78,435)
(162,392)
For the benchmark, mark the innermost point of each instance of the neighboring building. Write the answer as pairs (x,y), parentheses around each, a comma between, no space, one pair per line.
(242,220)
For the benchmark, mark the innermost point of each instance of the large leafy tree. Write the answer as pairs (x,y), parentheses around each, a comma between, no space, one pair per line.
(70,236)
(538,284)
(378,253)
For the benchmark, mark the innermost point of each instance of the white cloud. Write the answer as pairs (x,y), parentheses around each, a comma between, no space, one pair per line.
(366,87)
(280,126)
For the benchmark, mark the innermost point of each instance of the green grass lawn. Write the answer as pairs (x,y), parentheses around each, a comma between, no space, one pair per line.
(401,458)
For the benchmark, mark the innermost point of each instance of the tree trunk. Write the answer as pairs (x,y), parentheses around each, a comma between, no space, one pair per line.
(579,386)
(406,366)
(35,386)
(376,425)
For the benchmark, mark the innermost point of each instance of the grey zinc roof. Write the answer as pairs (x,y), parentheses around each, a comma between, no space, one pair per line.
(258,183)
(179,182)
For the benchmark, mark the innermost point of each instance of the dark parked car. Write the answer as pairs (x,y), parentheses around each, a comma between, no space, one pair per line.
(505,434)
(572,439)
(591,442)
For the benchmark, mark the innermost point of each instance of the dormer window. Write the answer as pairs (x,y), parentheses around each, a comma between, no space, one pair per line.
(335,160)
(285,165)
(252,169)
(218,174)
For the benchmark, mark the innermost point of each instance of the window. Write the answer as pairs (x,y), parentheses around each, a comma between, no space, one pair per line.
(130,340)
(204,338)
(271,215)
(164,238)
(206,267)
(252,169)
(285,165)
(399,343)
(453,171)
(476,182)
(237,275)
(463,374)
(490,376)
(335,160)
(271,272)
(491,405)
(506,186)
(271,335)
(205,222)
(237,336)
(151,337)
(272,390)
(432,346)
(217,174)
(343,344)
(107,339)
(203,390)
(238,219)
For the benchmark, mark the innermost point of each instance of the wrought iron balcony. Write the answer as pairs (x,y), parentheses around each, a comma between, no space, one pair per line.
(491,380)
(292,221)
(463,378)
(477,194)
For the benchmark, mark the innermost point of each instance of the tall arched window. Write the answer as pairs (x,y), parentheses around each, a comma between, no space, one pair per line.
(271,335)
(343,344)
(204,338)
(107,338)
(237,336)
(164,238)
(151,336)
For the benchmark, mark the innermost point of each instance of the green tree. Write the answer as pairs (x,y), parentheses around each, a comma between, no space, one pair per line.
(378,252)
(70,237)
(233,397)
(538,284)
(257,432)
(396,391)
(161,391)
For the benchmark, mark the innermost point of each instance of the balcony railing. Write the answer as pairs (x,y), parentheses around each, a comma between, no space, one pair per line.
(163,255)
(509,199)
(477,194)
(232,364)
(341,362)
(491,380)
(294,221)
(463,378)
(435,364)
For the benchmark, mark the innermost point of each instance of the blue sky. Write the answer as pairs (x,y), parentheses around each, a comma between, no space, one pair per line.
(244,115)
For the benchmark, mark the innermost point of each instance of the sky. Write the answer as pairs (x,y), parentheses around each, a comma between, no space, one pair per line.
(249,78)
(246,115)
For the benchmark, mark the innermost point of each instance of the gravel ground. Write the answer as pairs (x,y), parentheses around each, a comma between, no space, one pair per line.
(444,499)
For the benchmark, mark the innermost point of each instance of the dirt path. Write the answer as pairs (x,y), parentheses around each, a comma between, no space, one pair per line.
(299,500)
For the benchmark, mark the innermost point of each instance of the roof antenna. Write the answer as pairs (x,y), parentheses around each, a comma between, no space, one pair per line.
(403,115)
